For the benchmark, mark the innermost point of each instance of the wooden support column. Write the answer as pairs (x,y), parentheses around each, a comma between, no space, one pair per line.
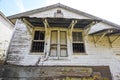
(109,41)
(115,39)
(88,27)
(46,24)
(28,25)
(118,37)
(101,37)
(71,26)
(94,40)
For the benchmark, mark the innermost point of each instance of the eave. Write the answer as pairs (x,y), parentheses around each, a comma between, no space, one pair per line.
(58,22)
(109,31)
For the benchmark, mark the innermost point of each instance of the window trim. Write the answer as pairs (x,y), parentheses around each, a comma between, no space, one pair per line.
(78,53)
(33,34)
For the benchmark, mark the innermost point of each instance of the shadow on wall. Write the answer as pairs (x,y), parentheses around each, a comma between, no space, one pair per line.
(3,49)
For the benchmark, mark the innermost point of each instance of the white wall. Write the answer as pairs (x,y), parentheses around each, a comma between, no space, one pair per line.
(5,35)
(50,13)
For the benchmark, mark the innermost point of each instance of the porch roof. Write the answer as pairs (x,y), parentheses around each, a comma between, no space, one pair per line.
(59,22)
(110,31)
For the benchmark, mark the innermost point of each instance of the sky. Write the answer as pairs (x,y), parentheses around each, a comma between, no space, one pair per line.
(106,9)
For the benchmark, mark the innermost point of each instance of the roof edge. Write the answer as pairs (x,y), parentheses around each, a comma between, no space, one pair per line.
(6,18)
(64,7)
(34,11)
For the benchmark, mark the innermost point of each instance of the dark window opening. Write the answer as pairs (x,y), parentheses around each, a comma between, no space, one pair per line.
(38,42)
(39,35)
(38,47)
(78,47)
(78,44)
(77,37)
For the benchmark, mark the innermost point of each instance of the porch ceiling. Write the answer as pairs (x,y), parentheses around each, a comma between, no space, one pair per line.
(59,22)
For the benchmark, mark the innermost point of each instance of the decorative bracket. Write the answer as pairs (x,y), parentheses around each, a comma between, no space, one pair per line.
(99,39)
(88,27)
(72,24)
(115,39)
(46,24)
(28,24)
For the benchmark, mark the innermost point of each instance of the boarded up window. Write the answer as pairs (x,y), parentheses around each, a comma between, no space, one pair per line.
(38,42)
(78,44)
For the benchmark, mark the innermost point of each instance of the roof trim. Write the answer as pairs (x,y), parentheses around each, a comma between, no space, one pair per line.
(5,18)
(64,7)
(2,15)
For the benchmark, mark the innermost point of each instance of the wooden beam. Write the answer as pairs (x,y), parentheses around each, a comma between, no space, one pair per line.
(28,24)
(109,41)
(92,23)
(94,40)
(101,37)
(88,27)
(72,24)
(118,37)
(46,24)
(108,31)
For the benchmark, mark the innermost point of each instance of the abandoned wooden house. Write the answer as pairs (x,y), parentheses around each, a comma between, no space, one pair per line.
(5,36)
(61,43)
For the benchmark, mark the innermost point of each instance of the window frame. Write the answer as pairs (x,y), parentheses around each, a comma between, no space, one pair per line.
(33,34)
(59,30)
(82,42)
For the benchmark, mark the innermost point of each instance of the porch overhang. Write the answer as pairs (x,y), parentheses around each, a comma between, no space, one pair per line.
(58,22)
(110,31)
(107,32)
